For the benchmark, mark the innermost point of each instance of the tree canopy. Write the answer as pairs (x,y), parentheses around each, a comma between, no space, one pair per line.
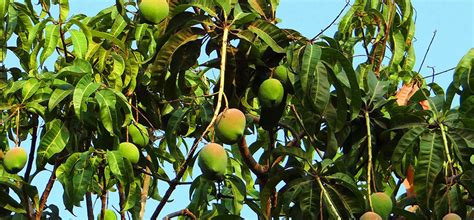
(326,140)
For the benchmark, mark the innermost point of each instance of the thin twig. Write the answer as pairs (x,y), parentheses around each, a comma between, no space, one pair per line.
(427,50)
(330,24)
(184,212)
(211,124)
(439,73)
(121,200)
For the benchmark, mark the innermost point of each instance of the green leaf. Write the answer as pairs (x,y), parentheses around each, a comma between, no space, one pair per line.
(238,192)
(57,96)
(8,203)
(82,177)
(110,37)
(80,43)
(309,62)
(63,10)
(3,8)
(407,140)
(29,89)
(120,167)
(292,151)
(84,88)
(133,195)
(108,116)
(464,75)
(398,48)
(52,142)
(118,26)
(271,34)
(78,68)
(430,163)
(51,40)
(260,6)
(163,58)
(117,71)
(333,56)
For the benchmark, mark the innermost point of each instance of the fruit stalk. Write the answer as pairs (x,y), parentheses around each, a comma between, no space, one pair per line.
(183,168)
(369,165)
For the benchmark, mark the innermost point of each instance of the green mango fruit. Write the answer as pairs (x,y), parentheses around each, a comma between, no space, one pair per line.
(370,216)
(213,161)
(281,73)
(154,10)
(109,215)
(129,151)
(139,134)
(270,93)
(14,160)
(452,216)
(230,125)
(382,204)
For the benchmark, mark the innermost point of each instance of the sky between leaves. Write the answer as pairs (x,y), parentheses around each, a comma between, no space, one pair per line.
(452,19)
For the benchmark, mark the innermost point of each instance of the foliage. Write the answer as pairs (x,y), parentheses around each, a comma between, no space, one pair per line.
(342,132)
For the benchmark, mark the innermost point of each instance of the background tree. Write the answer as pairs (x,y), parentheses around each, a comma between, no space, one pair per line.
(127,96)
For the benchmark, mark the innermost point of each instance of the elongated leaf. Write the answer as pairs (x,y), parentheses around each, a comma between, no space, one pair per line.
(32,35)
(57,96)
(63,10)
(110,37)
(318,89)
(163,58)
(53,142)
(271,34)
(238,191)
(398,49)
(463,75)
(407,140)
(51,40)
(310,59)
(80,43)
(121,168)
(30,88)
(118,26)
(292,151)
(133,195)
(108,116)
(333,56)
(430,163)
(82,177)
(84,88)
(3,8)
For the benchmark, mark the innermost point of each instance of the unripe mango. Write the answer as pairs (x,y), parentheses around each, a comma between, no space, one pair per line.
(139,134)
(154,10)
(370,216)
(270,93)
(213,161)
(281,73)
(382,204)
(14,160)
(230,125)
(452,216)
(129,151)
(109,215)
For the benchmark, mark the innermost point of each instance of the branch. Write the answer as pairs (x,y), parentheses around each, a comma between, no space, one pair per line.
(47,191)
(211,124)
(121,200)
(330,24)
(90,211)
(254,166)
(184,212)
(31,157)
(144,194)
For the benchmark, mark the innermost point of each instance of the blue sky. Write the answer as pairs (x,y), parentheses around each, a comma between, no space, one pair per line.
(453,20)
